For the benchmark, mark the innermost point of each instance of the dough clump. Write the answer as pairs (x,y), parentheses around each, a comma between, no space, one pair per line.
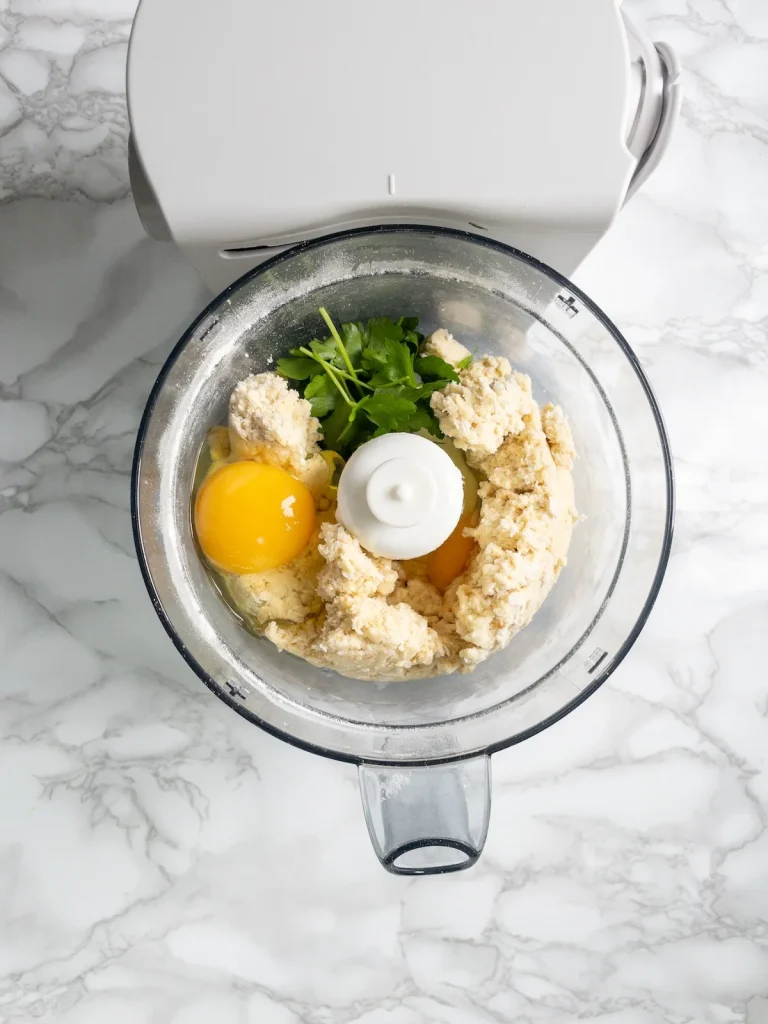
(443,344)
(360,634)
(270,422)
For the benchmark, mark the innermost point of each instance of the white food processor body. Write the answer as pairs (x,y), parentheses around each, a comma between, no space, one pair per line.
(406,157)
(278,123)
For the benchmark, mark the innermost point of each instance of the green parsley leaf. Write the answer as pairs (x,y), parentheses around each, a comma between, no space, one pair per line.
(328,350)
(333,426)
(424,419)
(360,431)
(465,362)
(434,366)
(428,388)
(381,328)
(298,367)
(389,361)
(352,336)
(357,431)
(389,411)
(408,323)
(410,335)
(422,392)
(322,394)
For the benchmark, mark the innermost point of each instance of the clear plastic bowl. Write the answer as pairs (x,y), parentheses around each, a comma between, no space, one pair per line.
(498,301)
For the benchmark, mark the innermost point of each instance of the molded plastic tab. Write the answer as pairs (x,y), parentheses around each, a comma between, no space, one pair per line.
(400,495)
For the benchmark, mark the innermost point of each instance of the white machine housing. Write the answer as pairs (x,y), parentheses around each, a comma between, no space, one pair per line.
(278,121)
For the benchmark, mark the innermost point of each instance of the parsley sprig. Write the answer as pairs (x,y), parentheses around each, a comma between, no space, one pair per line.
(365,380)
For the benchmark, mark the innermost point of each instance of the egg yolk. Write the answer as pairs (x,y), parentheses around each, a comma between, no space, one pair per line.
(445,563)
(250,517)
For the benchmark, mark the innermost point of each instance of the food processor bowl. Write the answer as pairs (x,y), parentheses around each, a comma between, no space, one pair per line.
(423,745)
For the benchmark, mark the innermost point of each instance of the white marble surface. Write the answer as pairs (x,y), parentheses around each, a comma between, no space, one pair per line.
(163,861)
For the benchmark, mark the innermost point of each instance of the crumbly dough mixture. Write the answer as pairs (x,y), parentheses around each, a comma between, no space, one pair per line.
(270,422)
(371,618)
(444,345)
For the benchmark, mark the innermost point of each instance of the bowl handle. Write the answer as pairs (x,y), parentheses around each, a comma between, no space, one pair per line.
(426,821)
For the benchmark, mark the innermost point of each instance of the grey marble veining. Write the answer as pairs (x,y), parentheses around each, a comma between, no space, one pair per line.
(163,861)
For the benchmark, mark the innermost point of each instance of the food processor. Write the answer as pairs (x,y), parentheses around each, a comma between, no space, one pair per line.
(423,747)
(531,123)
(407,157)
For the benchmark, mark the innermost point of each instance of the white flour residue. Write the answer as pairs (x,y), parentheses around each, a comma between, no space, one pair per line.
(394,784)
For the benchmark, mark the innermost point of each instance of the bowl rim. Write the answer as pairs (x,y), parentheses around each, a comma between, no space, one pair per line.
(562,281)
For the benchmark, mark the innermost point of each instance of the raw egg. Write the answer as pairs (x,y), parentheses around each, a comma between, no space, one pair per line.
(251,517)
(448,561)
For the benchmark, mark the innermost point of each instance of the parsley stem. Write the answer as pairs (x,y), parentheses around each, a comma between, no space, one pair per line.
(340,344)
(346,376)
(336,370)
(332,374)
(348,427)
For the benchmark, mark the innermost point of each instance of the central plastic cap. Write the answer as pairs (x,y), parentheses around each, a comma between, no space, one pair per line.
(401,495)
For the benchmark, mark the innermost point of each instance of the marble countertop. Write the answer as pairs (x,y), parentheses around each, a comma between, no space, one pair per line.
(163,861)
